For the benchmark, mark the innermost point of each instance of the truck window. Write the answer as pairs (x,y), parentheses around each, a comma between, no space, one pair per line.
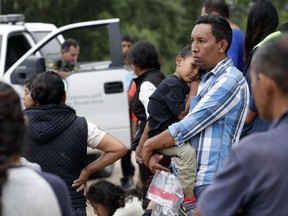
(94,47)
(16,47)
(51,48)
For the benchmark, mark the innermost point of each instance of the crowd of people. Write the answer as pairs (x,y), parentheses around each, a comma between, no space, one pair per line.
(220,120)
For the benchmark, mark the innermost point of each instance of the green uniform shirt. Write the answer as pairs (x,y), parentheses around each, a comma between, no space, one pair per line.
(60,64)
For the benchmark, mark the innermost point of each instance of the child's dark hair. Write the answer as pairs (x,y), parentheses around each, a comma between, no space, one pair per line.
(12,130)
(186,51)
(48,88)
(110,195)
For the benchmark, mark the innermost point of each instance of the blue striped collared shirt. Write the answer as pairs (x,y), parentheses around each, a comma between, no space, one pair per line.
(215,119)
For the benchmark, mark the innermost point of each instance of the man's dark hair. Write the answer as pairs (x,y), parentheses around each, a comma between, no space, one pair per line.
(127,38)
(68,43)
(218,6)
(270,59)
(220,27)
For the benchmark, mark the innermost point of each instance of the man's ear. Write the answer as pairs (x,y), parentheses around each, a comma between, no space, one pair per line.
(63,51)
(223,44)
(268,84)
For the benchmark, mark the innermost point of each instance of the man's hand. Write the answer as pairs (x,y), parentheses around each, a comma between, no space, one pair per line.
(138,154)
(154,164)
(146,154)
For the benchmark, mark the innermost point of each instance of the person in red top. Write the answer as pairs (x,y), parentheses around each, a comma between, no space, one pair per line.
(127,166)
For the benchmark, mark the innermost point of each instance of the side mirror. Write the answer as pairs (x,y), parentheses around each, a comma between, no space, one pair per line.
(32,65)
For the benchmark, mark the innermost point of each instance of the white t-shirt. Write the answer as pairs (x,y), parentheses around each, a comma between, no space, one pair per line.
(133,207)
(146,90)
(95,135)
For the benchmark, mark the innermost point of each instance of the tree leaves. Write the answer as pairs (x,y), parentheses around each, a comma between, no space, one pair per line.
(167,24)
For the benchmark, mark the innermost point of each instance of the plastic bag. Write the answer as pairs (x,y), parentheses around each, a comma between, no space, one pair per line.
(166,191)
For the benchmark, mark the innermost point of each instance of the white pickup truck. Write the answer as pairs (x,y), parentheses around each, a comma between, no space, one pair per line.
(97,90)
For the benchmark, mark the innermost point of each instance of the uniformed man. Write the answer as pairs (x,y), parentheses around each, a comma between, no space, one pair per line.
(67,62)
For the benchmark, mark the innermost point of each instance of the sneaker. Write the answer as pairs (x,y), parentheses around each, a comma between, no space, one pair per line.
(187,209)
(126,183)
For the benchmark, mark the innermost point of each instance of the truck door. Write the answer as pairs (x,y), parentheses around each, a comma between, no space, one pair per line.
(97,90)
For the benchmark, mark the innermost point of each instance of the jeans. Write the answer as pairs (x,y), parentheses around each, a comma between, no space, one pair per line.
(78,212)
(198,190)
(127,166)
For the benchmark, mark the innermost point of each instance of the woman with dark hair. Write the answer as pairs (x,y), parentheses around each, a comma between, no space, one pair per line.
(26,98)
(23,190)
(262,22)
(144,59)
(108,199)
(57,138)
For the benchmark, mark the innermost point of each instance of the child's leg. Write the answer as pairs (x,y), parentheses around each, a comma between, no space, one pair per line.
(185,161)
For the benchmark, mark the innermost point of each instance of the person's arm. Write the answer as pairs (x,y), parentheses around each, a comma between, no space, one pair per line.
(192,92)
(214,105)
(144,137)
(113,150)
(154,160)
(162,140)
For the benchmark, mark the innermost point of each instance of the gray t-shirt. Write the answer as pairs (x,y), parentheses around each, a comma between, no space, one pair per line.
(254,177)
(27,193)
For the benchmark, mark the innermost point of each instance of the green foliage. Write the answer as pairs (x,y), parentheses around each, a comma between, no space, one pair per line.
(165,23)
